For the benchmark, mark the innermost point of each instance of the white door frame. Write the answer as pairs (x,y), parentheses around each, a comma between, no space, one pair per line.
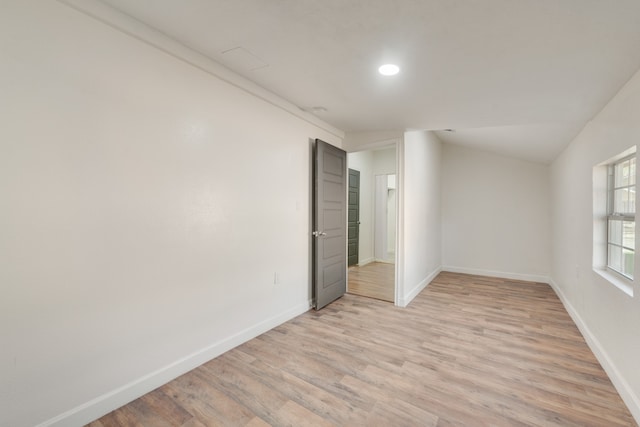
(399,264)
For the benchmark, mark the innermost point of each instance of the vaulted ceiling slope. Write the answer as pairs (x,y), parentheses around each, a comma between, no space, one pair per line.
(518,77)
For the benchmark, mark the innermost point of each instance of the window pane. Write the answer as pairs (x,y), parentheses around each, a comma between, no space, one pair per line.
(628,262)
(622,174)
(615,232)
(621,233)
(621,201)
(629,234)
(615,257)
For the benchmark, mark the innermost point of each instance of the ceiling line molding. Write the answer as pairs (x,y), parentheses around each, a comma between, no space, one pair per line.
(154,38)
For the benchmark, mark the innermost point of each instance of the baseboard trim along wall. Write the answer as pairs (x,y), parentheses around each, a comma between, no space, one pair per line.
(106,403)
(418,288)
(365,262)
(493,273)
(628,396)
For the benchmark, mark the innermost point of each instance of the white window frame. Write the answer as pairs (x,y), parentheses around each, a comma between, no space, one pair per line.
(601,213)
(612,215)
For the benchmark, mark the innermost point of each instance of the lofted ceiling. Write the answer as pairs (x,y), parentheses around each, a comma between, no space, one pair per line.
(517,77)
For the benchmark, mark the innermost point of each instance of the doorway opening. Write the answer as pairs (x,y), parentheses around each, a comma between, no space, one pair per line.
(372,269)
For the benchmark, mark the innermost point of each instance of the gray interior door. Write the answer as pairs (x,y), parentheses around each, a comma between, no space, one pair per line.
(353,222)
(329,224)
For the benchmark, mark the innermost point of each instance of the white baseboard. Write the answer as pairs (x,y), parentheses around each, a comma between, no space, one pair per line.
(106,403)
(630,398)
(365,262)
(403,302)
(493,273)
(627,394)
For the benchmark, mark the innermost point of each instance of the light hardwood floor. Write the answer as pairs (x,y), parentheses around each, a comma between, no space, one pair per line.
(468,351)
(374,280)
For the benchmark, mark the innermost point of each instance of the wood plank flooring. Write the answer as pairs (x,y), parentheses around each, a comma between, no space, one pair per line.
(468,351)
(374,280)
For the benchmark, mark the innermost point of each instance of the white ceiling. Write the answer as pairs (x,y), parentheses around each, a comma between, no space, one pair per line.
(519,77)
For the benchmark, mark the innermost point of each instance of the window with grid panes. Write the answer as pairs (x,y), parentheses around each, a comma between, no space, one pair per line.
(621,216)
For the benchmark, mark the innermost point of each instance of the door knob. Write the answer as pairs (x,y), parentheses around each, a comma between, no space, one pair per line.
(319,233)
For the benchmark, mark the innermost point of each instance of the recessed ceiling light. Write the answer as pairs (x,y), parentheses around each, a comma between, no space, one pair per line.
(389,69)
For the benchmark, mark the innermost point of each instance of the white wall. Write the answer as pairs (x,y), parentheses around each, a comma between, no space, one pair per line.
(495,215)
(357,141)
(384,161)
(608,318)
(363,161)
(420,231)
(145,208)
(392,218)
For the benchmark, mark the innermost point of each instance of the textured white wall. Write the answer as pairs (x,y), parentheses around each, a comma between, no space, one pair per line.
(495,214)
(608,317)
(145,208)
(420,223)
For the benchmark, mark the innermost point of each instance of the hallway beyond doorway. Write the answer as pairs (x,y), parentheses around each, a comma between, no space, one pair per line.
(374,280)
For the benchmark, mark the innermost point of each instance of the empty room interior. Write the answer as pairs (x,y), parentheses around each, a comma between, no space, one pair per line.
(163,248)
